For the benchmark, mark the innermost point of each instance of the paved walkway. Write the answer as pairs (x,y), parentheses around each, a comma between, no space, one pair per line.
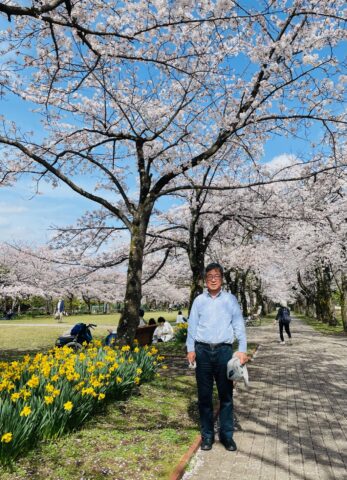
(292,420)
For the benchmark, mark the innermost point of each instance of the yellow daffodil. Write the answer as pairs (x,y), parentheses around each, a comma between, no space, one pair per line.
(101,396)
(25,412)
(15,396)
(7,437)
(68,406)
(33,382)
(48,399)
(26,394)
(119,379)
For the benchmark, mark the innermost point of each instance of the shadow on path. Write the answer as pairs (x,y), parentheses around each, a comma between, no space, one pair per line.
(293,423)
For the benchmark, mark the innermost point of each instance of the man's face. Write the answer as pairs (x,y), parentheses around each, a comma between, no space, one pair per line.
(214,281)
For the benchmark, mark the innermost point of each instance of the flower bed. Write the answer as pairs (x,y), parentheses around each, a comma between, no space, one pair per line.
(180,335)
(44,396)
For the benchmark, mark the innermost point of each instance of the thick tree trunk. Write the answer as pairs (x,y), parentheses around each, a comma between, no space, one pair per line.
(49,308)
(243,297)
(259,297)
(324,305)
(197,286)
(129,320)
(232,284)
(196,256)
(343,302)
(88,303)
(309,295)
(70,302)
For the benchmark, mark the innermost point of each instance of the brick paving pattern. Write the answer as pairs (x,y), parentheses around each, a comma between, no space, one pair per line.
(292,419)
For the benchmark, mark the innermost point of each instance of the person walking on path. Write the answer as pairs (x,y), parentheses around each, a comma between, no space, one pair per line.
(214,322)
(283,318)
(60,310)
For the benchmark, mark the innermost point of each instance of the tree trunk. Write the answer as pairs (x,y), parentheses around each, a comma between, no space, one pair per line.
(259,297)
(196,256)
(87,301)
(343,302)
(232,285)
(70,301)
(243,297)
(324,305)
(129,320)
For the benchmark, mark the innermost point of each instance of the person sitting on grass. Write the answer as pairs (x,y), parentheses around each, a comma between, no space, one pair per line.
(180,318)
(142,322)
(164,331)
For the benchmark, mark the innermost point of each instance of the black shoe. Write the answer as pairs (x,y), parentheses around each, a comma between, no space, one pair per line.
(206,443)
(230,445)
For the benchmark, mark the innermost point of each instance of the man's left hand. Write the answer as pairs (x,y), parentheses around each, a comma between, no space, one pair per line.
(242,357)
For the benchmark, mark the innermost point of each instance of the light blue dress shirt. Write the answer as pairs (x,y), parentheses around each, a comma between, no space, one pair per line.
(216,320)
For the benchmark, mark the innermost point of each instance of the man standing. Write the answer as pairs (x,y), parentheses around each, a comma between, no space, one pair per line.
(214,322)
(60,310)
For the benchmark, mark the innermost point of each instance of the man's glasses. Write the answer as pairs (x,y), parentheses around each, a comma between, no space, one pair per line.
(213,277)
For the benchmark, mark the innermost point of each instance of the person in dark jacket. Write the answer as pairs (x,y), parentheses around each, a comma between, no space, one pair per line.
(283,318)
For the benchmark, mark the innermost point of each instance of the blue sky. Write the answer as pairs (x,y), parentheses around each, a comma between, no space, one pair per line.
(27,217)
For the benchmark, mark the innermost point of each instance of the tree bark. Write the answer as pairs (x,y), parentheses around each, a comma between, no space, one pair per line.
(196,254)
(232,285)
(324,305)
(243,296)
(129,320)
(343,302)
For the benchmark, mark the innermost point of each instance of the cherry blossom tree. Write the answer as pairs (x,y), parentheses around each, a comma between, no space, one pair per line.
(39,272)
(133,96)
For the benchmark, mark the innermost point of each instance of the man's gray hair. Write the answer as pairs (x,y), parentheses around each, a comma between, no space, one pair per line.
(214,266)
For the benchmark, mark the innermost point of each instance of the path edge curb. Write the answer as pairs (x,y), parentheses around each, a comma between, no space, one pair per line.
(179,470)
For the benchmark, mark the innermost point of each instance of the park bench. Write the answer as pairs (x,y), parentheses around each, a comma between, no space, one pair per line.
(144,335)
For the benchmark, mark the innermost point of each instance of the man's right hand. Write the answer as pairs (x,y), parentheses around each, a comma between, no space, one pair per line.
(191,357)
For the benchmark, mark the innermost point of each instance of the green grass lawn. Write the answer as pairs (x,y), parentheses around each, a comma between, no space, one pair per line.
(20,335)
(99,319)
(323,327)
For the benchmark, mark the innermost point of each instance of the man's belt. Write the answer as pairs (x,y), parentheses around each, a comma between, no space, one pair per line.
(213,345)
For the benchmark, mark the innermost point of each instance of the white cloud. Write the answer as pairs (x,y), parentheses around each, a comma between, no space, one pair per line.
(7,209)
(284,165)
(282,161)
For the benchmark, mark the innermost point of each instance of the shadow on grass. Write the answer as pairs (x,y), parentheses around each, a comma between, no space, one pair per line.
(15,355)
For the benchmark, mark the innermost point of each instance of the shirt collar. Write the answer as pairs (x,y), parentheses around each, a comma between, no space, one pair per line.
(207,293)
